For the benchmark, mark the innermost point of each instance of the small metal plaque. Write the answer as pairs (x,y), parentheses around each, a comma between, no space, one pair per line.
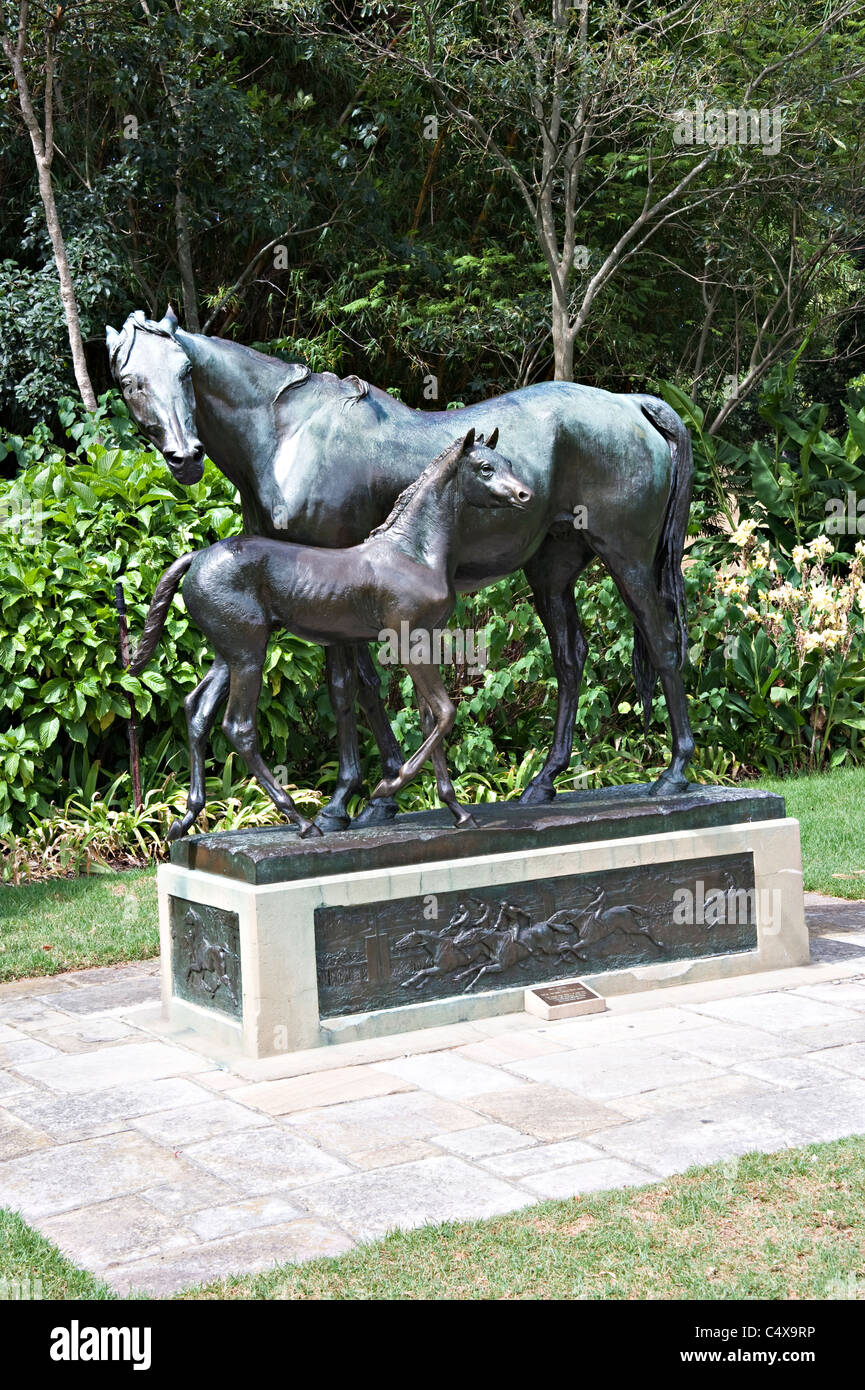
(406,950)
(565,994)
(205,948)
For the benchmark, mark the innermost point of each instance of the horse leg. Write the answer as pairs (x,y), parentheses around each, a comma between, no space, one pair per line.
(657,624)
(369,695)
(427,682)
(342,687)
(552,572)
(240,729)
(201,706)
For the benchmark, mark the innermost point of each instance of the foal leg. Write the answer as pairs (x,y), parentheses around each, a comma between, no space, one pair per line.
(240,729)
(342,685)
(369,694)
(444,785)
(428,682)
(636,583)
(201,707)
(552,572)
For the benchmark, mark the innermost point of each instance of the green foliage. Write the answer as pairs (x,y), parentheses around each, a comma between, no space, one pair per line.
(73,524)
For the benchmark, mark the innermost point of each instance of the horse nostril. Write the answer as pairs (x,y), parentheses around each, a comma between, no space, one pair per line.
(523,495)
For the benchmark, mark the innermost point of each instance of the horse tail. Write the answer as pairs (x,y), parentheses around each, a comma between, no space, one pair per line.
(671,546)
(155,620)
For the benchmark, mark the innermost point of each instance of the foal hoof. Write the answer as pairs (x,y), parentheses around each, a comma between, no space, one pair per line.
(376,813)
(385,788)
(175,831)
(308,830)
(463,818)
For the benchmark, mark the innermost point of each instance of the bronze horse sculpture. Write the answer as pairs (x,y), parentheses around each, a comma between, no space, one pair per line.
(240,591)
(320,462)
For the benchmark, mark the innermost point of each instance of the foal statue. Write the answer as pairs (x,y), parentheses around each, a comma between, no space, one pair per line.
(239,591)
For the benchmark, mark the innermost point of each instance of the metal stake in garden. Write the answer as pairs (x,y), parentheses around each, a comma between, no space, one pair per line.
(120,602)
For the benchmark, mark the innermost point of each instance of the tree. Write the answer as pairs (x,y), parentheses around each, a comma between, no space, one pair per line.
(18,46)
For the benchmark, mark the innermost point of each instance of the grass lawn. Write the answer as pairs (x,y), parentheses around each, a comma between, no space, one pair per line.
(777,1226)
(831,812)
(66,924)
(104,919)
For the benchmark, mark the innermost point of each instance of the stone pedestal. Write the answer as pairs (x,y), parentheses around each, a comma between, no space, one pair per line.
(272,944)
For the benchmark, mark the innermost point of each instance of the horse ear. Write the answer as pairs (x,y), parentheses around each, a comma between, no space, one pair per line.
(468,442)
(170,321)
(493,439)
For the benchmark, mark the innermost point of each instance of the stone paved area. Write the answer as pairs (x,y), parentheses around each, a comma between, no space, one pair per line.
(153,1166)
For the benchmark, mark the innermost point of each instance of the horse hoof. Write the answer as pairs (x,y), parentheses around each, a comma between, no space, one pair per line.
(670,784)
(175,831)
(537,794)
(327,820)
(376,813)
(464,819)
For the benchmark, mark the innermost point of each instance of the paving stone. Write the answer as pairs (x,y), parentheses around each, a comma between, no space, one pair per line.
(546,1112)
(495,1052)
(449,1076)
(59,1179)
(367,1205)
(692,1095)
(212,1223)
(364,1126)
(218,1080)
(8,1034)
(599,1176)
(108,1232)
(260,1161)
(113,1066)
(187,1125)
(850,1059)
(516,1166)
(12,1085)
(815,1069)
(31,988)
(191,1190)
(246,1254)
(24,1010)
(829,950)
(94,1113)
(850,993)
(17,1137)
(595,1030)
(24,1049)
(112,974)
(827,1035)
(409,1152)
(725,1044)
(824,913)
(319,1089)
(777,1012)
(85,1034)
(97,999)
(619,1069)
(484,1140)
(775,1120)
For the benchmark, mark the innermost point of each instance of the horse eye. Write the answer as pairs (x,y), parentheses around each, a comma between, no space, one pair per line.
(487,470)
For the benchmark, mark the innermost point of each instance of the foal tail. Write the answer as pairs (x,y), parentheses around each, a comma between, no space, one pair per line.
(155,620)
(671,546)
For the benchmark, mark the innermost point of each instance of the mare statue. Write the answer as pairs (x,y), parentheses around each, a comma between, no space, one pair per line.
(320,462)
(241,590)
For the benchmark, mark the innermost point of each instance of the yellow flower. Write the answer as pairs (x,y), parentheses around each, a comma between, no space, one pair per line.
(821,548)
(799,556)
(743,532)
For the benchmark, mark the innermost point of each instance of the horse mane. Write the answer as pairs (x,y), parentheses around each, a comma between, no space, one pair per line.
(408,493)
(136,322)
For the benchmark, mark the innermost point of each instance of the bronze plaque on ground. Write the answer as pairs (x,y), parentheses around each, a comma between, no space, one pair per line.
(402,951)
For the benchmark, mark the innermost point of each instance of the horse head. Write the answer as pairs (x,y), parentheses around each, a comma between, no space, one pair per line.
(405,943)
(154,376)
(486,476)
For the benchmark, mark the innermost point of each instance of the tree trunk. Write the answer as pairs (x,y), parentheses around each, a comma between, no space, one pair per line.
(67,289)
(563,342)
(184,257)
